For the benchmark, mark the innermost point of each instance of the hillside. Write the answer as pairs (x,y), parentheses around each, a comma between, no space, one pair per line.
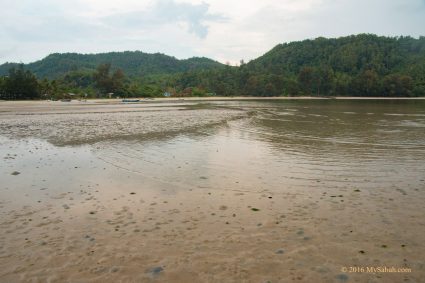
(133,63)
(358,65)
(351,55)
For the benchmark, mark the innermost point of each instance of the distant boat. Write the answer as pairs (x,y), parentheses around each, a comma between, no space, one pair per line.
(66,100)
(131,100)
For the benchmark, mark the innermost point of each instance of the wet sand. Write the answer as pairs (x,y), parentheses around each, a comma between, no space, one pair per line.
(218,192)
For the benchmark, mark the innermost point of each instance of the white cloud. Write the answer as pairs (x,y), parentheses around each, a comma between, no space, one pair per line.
(225,30)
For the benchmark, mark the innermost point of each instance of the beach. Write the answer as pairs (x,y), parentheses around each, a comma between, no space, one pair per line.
(212,190)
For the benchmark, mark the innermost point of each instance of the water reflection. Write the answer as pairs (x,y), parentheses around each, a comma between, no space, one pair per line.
(288,144)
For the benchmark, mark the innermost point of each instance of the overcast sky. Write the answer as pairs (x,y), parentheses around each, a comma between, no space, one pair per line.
(224,30)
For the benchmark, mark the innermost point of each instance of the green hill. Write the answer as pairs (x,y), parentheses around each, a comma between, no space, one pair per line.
(358,65)
(133,63)
(350,55)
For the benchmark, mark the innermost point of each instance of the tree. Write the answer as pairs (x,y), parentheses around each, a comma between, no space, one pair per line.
(102,78)
(118,81)
(107,83)
(290,87)
(398,85)
(306,79)
(20,84)
(2,86)
(366,84)
(45,88)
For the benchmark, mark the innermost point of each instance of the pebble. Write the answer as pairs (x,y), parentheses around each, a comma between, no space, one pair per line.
(155,270)
(342,277)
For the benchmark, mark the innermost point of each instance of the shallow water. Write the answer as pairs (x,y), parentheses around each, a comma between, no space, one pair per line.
(295,142)
(166,191)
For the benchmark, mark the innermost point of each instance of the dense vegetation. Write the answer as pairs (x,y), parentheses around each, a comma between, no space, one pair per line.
(362,65)
(133,63)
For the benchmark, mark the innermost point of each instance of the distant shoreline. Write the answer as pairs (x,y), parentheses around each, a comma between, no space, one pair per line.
(219,98)
(285,98)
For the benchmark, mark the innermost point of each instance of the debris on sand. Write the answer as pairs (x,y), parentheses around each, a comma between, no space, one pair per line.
(155,270)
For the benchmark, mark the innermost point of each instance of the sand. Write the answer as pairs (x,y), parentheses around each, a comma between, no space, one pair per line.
(73,210)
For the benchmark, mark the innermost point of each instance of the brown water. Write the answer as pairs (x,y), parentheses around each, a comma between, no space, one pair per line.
(234,191)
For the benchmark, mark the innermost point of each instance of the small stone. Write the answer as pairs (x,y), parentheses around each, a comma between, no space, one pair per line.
(132,193)
(65,206)
(14,173)
(280,251)
(155,270)
(255,209)
(342,277)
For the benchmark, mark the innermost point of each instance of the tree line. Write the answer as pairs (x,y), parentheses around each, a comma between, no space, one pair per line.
(21,84)
(361,65)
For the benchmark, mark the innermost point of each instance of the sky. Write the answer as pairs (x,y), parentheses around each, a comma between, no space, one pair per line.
(224,30)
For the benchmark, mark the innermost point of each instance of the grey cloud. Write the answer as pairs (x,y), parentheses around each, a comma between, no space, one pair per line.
(168,12)
(42,21)
(30,29)
(333,18)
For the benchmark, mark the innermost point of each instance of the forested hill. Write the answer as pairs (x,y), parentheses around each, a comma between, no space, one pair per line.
(358,65)
(351,55)
(133,63)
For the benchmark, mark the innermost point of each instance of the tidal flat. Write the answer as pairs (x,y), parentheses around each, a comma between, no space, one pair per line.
(212,191)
